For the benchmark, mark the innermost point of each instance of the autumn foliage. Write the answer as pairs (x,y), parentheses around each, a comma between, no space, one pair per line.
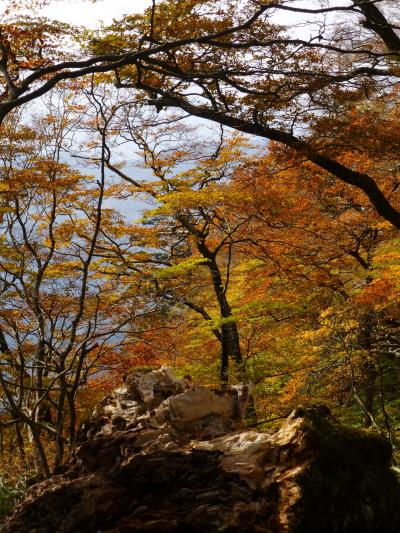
(260,245)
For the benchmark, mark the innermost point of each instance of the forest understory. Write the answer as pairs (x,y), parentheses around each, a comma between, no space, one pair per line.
(211,186)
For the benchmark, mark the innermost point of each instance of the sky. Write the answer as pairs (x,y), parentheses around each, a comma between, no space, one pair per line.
(87,13)
(90,14)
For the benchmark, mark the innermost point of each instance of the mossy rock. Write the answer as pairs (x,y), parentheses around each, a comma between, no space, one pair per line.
(349,486)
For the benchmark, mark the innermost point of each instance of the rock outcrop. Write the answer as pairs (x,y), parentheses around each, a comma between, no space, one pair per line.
(162,455)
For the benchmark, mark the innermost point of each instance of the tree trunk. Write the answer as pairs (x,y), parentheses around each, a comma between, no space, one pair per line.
(230,342)
(368,368)
(41,463)
(370,376)
(20,441)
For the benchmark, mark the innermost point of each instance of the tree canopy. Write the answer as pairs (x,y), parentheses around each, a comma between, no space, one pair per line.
(230,62)
(209,185)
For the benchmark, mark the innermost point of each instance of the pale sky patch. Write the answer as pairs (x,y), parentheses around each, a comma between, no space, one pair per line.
(92,14)
(86,13)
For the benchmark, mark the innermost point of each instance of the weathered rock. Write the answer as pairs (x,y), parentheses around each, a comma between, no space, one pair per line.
(161,455)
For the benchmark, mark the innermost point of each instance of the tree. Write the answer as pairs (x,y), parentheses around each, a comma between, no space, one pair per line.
(65,306)
(190,218)
(299,239)
(328,264)
(245,69)
(262,249)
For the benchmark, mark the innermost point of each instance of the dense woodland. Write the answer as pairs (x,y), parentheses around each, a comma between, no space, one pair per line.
(209,185)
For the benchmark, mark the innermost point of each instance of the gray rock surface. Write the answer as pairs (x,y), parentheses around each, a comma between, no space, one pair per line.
(163,455)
